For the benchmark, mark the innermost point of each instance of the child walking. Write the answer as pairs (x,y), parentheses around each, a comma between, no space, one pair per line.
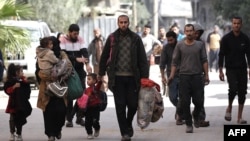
(18,89)
(93,110)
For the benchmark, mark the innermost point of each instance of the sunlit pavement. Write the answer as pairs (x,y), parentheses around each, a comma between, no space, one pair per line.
(162,130)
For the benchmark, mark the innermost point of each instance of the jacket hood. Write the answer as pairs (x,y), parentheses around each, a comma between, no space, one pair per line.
(198,27)
(40,52)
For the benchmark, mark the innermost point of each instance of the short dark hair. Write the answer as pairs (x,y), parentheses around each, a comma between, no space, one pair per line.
(237,17)
(45,41)
(175,25)
(189,25)
(93,75)
(122,16)
(171,34)
(147,26)
(73,27)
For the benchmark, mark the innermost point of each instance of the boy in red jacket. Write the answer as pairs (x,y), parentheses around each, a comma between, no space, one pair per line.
(93,110)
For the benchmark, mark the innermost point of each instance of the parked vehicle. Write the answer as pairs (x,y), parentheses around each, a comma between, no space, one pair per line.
(27,59)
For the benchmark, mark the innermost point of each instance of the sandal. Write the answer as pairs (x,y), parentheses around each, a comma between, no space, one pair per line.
(242,121)
(228,116)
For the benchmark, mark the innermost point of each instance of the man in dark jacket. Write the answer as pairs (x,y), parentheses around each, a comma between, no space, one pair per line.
(165,67)
(235,56)
(125,61)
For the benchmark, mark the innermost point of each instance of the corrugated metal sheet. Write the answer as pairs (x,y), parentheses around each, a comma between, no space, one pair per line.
(87,25)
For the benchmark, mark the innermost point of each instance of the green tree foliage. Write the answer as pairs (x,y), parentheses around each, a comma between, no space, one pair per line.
(59,14)
(13,38)
(230,8)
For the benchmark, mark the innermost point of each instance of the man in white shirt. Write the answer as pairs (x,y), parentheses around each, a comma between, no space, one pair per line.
(148,41)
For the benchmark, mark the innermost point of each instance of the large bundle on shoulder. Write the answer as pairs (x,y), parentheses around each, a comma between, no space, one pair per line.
(59,73)
(150,104)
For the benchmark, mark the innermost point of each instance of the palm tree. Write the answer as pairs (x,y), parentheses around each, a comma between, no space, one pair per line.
(13,38)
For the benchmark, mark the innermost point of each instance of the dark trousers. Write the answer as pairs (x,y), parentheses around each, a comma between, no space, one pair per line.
(202,115)
(92,119)
(237,81)
(72,108)
(54,116)
(126,99)
(191,87)
(15,125)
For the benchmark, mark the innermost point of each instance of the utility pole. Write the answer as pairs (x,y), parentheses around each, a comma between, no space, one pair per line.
(155,17)
(134,14)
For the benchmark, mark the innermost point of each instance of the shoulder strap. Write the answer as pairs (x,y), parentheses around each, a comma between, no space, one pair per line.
(112,38)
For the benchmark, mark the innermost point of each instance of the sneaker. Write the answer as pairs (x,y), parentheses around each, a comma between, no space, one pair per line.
(90,136)
(12,137)
(51,138)
(69,124)
(80,122)
(189,129)
(97,132)
(126,138)
(19,138)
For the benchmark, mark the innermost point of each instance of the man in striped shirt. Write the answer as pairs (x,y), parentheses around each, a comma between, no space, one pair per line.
(73,45)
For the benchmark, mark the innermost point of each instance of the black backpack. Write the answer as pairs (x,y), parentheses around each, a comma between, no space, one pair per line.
(104,101)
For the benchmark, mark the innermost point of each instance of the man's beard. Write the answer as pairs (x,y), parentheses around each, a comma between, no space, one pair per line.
(73,40)
(124,32)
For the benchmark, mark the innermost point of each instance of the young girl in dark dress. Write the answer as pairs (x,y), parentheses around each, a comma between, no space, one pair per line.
(19,107)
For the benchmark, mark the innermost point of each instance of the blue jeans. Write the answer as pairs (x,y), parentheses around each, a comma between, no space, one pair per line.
(214,57)
(174,96)
(174,91)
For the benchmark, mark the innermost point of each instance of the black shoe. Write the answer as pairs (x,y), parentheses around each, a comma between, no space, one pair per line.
(130,131)
(59,136)
(126,138)
(179,120)
(69,124)
(80,122)
(196,123)
(204,123)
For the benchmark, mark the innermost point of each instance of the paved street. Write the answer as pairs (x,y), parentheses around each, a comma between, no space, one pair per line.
(163,130)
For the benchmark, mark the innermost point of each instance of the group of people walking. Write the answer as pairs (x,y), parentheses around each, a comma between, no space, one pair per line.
(186,65)
(119,63)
